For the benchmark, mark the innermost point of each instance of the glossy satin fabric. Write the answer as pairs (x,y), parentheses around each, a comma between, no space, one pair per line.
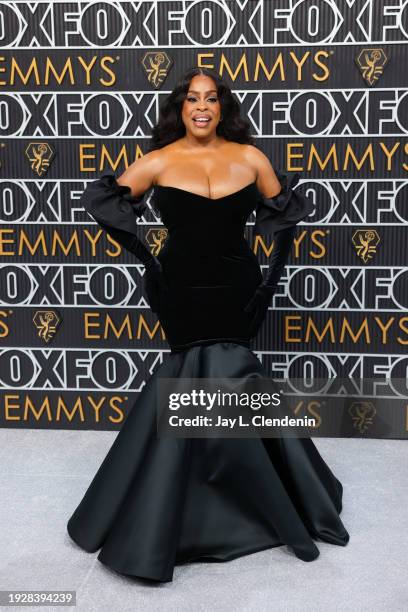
(155,502)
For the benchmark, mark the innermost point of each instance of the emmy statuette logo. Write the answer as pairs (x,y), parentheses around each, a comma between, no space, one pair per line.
(155,239)
(40,156)
(156,65)
(365,243)
(46,322)
(371,63)
(362,414)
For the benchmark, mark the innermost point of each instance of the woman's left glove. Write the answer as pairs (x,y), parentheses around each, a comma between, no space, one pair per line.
(258,306)
(260,301)
(155,283)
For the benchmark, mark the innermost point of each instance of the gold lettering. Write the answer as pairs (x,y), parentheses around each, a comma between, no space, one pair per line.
(404,328)
(30,408)
(355,336)
(388,153)
(224,64)
(15,68)
(2,69)
(4,328)
(278,64)
(288,327)
(32,249)
(96,406)
(87,67)
(9,405)
(109,325)
(62,409)
(350,153)
(322,164)
(4,241)
(49,67)
(312,327)
(112,403)
(113,164)
(93,240)
(88,323)
(299,63)
(83,156)
(383,327)
(326,71)
(143,325)
(65,249)
(104,61)
(322,247)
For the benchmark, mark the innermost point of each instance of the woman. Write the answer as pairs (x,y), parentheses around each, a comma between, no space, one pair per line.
(158,501)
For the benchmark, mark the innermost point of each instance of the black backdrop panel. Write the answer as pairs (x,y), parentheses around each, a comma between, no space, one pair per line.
(324,86)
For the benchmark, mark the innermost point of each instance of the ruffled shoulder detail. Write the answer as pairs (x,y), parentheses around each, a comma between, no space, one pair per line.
(285,209)
(112,204)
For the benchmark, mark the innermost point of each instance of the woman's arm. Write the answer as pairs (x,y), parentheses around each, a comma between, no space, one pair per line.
(276,216)
(114,203)
(267,182)
(139,176)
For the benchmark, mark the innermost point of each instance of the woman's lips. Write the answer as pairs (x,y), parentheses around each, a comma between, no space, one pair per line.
(202,123)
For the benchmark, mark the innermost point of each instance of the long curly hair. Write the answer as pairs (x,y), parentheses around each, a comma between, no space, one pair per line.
(170,126)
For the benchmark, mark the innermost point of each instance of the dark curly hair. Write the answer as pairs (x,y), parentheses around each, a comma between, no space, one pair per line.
(170,126)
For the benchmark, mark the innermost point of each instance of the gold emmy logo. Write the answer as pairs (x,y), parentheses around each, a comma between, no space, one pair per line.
(365,242)
(157,65)
(362,414)
(40,155)
(155,239)
(371,63)
(46,321)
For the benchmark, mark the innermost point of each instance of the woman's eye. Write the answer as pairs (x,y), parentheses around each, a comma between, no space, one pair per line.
(192,99)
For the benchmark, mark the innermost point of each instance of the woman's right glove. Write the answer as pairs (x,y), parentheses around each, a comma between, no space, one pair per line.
(115,210)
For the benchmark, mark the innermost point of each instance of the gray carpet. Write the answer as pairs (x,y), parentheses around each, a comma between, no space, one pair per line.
(45,473)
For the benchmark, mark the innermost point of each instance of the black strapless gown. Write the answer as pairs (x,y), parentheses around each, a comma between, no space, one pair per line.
(156,502)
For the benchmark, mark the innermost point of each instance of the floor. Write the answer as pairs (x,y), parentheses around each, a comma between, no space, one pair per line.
(45,472)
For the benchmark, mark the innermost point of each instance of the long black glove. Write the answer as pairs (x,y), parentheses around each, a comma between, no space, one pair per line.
(259,303)
(115,209)
(277,216)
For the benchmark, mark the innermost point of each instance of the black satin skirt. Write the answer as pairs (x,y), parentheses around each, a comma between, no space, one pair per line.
(157,502)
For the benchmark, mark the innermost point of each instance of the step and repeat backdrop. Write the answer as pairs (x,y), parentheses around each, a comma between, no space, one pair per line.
(324,86)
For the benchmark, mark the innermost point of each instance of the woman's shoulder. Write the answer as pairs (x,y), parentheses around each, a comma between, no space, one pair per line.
(139,175)
(255,155)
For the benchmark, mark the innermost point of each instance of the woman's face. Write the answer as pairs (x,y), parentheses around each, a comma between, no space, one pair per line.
(201,101)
